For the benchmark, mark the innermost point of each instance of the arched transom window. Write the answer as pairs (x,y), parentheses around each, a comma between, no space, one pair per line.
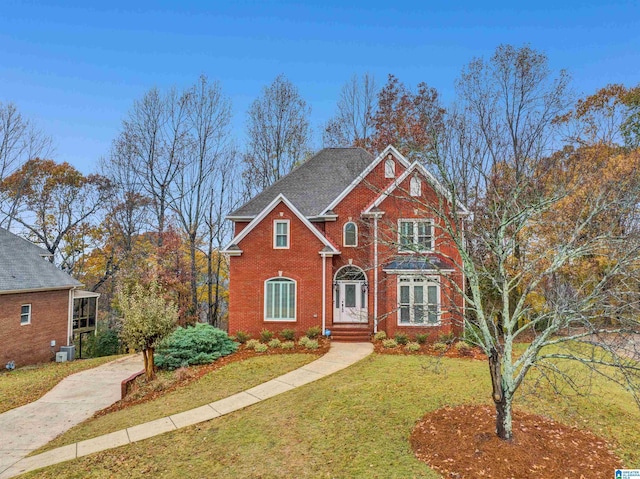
(350,234)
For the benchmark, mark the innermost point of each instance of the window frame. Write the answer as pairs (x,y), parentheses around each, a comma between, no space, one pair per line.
(389,168)
(28,313)
(275,234)
(425,282)
(415,235)
(280,280)
(344,234)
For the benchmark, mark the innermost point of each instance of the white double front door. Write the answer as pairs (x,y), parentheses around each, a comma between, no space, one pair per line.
(350,302)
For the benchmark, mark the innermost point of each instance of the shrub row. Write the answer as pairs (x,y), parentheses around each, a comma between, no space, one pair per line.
(266,336)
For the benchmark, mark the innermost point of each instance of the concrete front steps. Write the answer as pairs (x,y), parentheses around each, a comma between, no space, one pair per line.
(350,333)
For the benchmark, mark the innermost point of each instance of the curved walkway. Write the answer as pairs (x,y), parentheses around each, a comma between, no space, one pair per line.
(340,356)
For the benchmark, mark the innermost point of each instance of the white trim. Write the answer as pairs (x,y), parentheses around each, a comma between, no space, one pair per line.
(239,218)
(415,222)
(367,170)
(430,178)
(277,200)
(285,280)
(417,271)
(28,313)
(426,281)
(79,293)
(344,235)
(375,273)
(287,234)
(39,290)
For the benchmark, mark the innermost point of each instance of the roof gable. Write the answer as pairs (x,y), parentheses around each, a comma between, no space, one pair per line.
(233,248)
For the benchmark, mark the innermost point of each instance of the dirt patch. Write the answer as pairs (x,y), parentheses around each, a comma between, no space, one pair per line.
(142,391)
(450,352)
(461,443)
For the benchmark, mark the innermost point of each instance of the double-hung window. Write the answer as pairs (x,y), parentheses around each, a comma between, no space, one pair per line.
(415,235)
(281,234)
(25,314)
(350,234)
(280,300)
(418,301)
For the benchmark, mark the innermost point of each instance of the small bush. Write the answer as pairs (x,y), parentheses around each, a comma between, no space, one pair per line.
(303,341)
(463,348)
(446,338)
(421,338)
(288,345)
(389,343)
(261,348)
(199,344)
(412,347)
(440,347)
(105,343)
(313,332)
(251,344)
(380,335)
(312,344)
(242,337)
(274,343)
(266,335)
(288,334)
(401,338)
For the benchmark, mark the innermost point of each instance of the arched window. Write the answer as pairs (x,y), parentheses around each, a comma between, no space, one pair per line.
(350,234)
(389,168)
(416,186)
(280,299)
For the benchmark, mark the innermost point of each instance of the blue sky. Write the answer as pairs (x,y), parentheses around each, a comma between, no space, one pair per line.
(75,68)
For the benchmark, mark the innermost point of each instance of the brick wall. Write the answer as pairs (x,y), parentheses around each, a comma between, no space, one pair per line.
(30,343)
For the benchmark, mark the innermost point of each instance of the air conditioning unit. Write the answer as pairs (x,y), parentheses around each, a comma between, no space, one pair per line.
(61,357)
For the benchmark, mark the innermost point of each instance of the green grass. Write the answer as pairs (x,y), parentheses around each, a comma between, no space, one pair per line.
(218,384)
(352,424)
(29,383)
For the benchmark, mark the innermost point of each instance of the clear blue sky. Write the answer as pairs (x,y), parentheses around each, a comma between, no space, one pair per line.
(76,67)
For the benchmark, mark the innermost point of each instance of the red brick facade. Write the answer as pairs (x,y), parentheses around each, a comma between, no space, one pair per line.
(302,262)
(31,343)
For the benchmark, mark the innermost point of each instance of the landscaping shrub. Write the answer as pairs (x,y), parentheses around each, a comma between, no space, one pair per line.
(288,345)
(261,348)
(446,338)
(266,335)
(463,348)
(313,332)
(303,340)
(440,347)
(412,347)
(288,334)
(421,338)
(104,343)
(274,343)
(242,337)
(389,343)
(199,344)
(312,344)
(401,338)
(380,335)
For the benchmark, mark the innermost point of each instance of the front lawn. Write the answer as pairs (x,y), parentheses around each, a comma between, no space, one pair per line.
(355,423)
(29,383)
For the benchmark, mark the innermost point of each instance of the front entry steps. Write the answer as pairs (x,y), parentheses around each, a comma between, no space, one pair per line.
(350,333)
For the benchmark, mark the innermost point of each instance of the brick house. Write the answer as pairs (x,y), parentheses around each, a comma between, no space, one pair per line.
(345,242)
(41,307)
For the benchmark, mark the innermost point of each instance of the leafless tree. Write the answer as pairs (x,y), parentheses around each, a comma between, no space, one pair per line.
(278,134)
(353,123)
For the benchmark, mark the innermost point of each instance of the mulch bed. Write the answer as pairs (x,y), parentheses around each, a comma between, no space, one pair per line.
(143,391)
(426,349)
(461,443)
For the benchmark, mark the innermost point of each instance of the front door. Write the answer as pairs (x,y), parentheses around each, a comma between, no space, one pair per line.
(350,302)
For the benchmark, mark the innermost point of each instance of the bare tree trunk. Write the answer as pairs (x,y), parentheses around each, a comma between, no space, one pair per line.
(149,365)
(193,279)
(501,398)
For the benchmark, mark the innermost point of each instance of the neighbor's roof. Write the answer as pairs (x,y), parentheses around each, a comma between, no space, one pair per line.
(24,267)
(313,185)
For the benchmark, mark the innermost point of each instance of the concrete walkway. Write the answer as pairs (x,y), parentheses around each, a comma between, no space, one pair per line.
(340,356)
(71,401)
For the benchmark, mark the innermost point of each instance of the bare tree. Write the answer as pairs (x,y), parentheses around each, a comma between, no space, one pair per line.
(353,123)
(278,134)
(20,141)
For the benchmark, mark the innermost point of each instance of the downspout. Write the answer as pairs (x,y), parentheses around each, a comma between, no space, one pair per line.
(324,292)
(375,274)
(70,316)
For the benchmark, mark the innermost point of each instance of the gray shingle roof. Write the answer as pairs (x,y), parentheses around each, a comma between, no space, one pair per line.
(312,186)
(23,267)
(418,263)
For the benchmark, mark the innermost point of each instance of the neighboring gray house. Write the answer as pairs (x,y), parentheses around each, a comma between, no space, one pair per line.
(41,307)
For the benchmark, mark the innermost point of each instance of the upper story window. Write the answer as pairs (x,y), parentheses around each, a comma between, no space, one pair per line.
(350,234)
(25,314)
(280,300)
(415,188)
(281,234)
(389,168)
(415,235)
